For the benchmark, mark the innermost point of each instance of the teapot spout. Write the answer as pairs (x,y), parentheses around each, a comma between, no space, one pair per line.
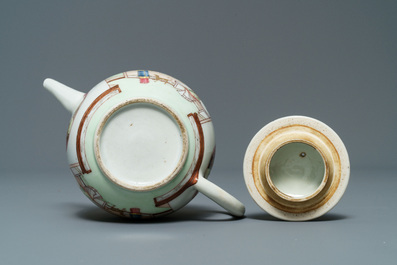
(69,97)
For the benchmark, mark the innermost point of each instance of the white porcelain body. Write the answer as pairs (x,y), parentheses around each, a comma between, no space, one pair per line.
(141,144)
(296,168)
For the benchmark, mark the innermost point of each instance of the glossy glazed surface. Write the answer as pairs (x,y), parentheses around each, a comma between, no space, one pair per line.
(138,142)
(141,146)
(297,169)
(303,180)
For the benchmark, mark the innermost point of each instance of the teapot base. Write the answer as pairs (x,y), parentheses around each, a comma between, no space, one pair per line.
(141,144)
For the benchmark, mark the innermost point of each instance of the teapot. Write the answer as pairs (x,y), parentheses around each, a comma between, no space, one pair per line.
(141,144)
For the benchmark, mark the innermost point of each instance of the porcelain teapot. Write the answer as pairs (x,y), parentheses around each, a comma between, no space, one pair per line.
(141,144)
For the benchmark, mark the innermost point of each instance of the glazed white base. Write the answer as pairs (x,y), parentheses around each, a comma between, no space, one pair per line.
(141,146)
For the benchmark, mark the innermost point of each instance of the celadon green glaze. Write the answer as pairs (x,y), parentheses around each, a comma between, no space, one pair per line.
(297,169)
(83,130)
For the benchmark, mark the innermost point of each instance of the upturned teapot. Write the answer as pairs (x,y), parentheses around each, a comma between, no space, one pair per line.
(141,144)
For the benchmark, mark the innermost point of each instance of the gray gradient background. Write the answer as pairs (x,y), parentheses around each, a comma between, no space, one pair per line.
(250,62)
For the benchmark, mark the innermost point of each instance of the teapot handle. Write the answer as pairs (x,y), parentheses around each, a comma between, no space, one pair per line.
(221,197)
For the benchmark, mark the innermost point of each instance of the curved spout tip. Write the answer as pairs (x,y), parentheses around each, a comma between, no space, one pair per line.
(69,97)
(47,82)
